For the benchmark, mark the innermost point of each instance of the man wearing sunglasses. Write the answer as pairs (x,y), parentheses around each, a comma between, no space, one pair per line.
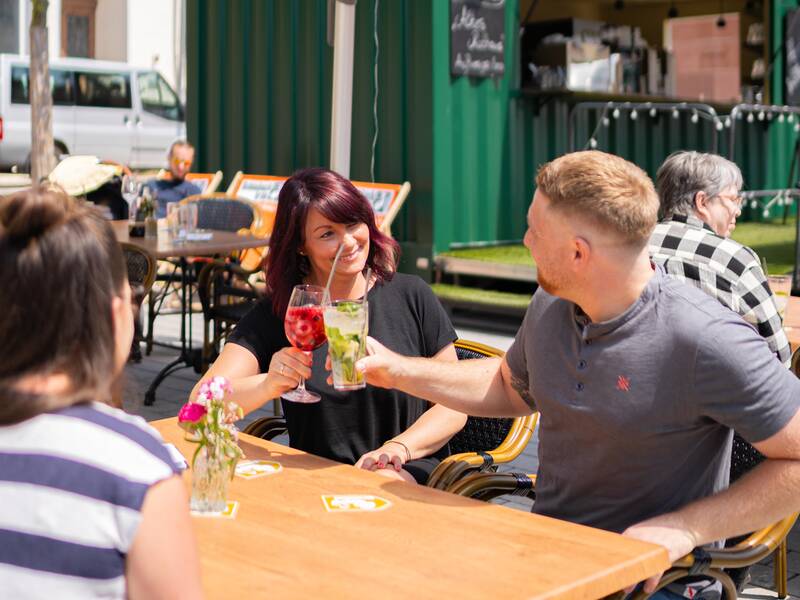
(174,187)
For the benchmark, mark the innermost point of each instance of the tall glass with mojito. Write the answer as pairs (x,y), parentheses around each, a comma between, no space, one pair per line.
(346,324)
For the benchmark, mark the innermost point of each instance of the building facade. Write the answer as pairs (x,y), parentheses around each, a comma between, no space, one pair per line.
(146,33)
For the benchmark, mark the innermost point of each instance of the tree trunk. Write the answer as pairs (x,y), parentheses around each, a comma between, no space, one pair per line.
(42,148)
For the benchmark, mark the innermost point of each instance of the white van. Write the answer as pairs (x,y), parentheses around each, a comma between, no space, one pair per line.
(111,110)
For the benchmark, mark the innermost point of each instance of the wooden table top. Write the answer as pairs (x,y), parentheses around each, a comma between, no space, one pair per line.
(221,242)
(283,543)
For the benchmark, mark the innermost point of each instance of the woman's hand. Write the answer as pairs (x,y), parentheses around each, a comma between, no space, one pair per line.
(389,456)
(286,368)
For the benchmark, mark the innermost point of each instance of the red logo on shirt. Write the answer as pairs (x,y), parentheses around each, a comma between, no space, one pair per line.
(623,383)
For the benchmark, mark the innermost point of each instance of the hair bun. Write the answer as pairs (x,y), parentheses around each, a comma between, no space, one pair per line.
(29,214)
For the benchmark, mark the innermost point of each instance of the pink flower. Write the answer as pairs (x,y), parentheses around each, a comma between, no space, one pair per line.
(190,414)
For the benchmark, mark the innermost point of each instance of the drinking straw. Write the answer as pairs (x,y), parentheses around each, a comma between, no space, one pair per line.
(327,295)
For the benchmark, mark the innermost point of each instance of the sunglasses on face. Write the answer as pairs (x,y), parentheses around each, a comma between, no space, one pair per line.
(181,163)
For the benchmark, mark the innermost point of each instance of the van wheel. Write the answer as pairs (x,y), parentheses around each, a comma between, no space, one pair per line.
(60,152)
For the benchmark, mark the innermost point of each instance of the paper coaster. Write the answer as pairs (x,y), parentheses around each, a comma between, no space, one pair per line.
(355,503)
(231,507)
(250,469)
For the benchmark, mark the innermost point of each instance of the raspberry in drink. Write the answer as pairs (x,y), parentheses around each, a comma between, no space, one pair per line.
(304,327)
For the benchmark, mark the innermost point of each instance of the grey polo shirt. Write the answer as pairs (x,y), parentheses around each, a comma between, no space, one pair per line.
(637,412)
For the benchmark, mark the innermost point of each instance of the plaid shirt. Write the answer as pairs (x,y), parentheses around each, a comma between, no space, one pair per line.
(689,249)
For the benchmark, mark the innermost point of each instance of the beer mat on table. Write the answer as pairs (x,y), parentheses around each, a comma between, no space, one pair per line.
(250,469)
(354,503)
(231,507)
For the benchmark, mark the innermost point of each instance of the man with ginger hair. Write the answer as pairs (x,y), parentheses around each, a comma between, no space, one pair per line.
(639,378)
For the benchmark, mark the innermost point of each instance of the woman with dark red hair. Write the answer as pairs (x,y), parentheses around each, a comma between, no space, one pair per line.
(382,430)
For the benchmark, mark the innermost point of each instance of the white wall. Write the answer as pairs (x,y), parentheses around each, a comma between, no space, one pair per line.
(151,35)
(110,30)
(53,27)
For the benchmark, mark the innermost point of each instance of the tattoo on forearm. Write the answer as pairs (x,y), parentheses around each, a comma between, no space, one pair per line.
(521,387)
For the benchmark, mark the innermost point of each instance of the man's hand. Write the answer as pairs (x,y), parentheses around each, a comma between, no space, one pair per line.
(381,366)
(665,530)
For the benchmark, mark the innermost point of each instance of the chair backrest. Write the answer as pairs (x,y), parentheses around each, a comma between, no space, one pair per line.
(480,434)
(207,182)
(223,212)
(141,268)
(386,198)
(796,362)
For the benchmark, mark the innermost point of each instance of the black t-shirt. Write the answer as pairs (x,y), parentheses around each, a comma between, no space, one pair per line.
(406,317)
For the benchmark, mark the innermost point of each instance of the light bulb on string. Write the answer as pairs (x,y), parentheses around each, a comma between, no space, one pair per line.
(634,115)
(780,118)
(695,116)
(615,114)
(718,124)
(761,116)
(728,122)
(675,113)
(796,127)
(750,118)
(606,122)
(753,204)
(765,214)
(653,112)
(592,143)
(790,118)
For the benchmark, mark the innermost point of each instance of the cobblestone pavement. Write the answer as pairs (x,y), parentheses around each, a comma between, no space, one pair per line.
(174,390)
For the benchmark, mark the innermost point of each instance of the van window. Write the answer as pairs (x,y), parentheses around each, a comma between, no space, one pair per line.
(107,90)
(158,98)
(61,86)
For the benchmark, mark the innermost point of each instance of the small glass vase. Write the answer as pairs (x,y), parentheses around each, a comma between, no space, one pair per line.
(210,476)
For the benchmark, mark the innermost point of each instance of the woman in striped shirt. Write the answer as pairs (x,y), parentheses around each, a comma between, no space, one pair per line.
(91,503)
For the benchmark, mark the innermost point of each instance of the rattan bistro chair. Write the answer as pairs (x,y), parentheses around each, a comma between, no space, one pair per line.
(484,442)
(141,268)
(227,293)
(141,274)
(479,446)
(742,552)
(214,211)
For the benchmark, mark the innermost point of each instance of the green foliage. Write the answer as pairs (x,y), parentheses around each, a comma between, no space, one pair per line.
(772,241)
(458,293)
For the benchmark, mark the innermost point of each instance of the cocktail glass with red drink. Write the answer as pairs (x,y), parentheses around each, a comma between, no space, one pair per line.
(305,330)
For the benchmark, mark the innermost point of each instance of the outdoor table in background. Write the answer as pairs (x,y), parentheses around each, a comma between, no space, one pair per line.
(164,246)
(283,543)
(791,322)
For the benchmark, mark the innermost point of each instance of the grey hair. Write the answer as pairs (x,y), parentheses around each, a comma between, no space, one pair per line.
(685,173)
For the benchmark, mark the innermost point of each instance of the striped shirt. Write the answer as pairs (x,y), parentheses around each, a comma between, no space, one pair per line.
(690,250)
(72,484)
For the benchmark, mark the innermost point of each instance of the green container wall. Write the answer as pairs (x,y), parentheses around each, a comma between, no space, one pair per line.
(259,74)
(485,146)
(259,94)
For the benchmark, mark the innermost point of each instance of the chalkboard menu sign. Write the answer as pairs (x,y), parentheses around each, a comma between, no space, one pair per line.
(477,38)
(792,46)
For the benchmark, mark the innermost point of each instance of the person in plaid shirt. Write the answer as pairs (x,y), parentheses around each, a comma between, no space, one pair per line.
(699,204)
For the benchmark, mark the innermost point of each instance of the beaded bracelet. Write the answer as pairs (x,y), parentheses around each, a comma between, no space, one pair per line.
(408,452)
